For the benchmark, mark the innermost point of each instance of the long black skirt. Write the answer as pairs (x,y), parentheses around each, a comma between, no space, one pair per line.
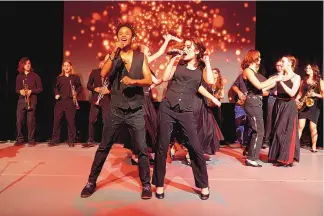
(285,147)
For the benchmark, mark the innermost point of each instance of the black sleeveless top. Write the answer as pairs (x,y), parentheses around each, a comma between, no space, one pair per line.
(281,93)
(124,96)
(183,87)
(251,89)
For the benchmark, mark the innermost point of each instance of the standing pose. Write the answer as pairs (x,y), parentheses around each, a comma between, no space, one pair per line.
(285,146)
(217,89)
(241,121)
(270,104)
(68,85)
(128,73)
(28,85)
(177,107)
(99,100)
(253,103)
(311,89)
(150,115)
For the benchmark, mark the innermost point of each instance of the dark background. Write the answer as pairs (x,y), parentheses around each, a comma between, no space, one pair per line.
(35,29)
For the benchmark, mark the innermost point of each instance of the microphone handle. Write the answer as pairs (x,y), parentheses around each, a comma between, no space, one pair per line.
(117,52)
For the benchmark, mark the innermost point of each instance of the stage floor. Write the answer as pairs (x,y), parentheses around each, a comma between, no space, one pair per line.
(47,181)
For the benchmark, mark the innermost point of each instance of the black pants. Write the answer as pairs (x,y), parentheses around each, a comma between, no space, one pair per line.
(93,117)
(134,120)
(31,120)
(187,122)
(269,122)
(67,107)
(253,109)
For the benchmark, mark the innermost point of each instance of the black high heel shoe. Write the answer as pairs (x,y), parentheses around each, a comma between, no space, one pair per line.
(159,196)
(204,196)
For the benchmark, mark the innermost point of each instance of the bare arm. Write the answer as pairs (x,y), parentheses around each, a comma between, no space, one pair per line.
(207,72)
(292,91)
(106,68)
(170,69)
(300,94)
(221,94)
(162,49)
(250,75)
(321,94)
(203,91)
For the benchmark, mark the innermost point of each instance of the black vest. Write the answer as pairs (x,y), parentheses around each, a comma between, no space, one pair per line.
(183,87)
(123,96)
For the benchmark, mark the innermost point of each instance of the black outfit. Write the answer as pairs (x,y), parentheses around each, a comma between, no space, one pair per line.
(285,146)
(178,107)
(33,82)
(65,105)
(253,109)
(269,121)
(95,80)
(125,110)
(311,113)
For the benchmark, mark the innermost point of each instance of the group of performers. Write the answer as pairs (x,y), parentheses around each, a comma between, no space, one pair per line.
(121,91)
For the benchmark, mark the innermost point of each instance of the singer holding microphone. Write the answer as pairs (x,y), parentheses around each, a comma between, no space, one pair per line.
(178,107)
(128,73)
(99,100)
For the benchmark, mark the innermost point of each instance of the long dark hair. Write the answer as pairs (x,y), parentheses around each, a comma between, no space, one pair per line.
(316,74)
(22,63)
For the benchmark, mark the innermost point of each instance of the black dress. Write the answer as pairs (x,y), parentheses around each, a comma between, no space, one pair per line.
(311,113)
(285,147)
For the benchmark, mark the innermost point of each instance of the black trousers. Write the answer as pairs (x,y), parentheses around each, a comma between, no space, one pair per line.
(31,120)
(187,122)
(93,117)
(269,121)
(134,120)
(67,107)
(253,109)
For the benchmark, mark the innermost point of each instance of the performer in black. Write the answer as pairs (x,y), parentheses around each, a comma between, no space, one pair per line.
(178,107)
(253,103)
(311,87)
(68,85)
(270,103)
(100,99)
(285,145)
(128,73)
(28,85)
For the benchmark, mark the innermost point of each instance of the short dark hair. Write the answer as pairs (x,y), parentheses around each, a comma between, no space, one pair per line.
(128,25)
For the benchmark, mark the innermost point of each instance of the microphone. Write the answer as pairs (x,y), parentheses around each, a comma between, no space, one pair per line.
(175,52)
(117,53)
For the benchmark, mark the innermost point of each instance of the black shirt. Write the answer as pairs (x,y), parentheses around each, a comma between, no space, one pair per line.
(63,86)
(33,82)
(126,96)
(183,87)
(96,80)
(251,89)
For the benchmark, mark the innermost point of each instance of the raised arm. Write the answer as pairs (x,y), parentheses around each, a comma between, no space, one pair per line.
(167,39)
(207,72)
(170,69)
(107,67)
(296,83)
(250,75)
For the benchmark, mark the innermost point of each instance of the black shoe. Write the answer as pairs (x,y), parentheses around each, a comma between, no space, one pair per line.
(314,151)
(146,192)
(19,143)
(264,146)
(134,162)
(52,143)
(71,144)
(204,196)
(89,145)
(245,152)
(31,144)
(159,196)
(88,190)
